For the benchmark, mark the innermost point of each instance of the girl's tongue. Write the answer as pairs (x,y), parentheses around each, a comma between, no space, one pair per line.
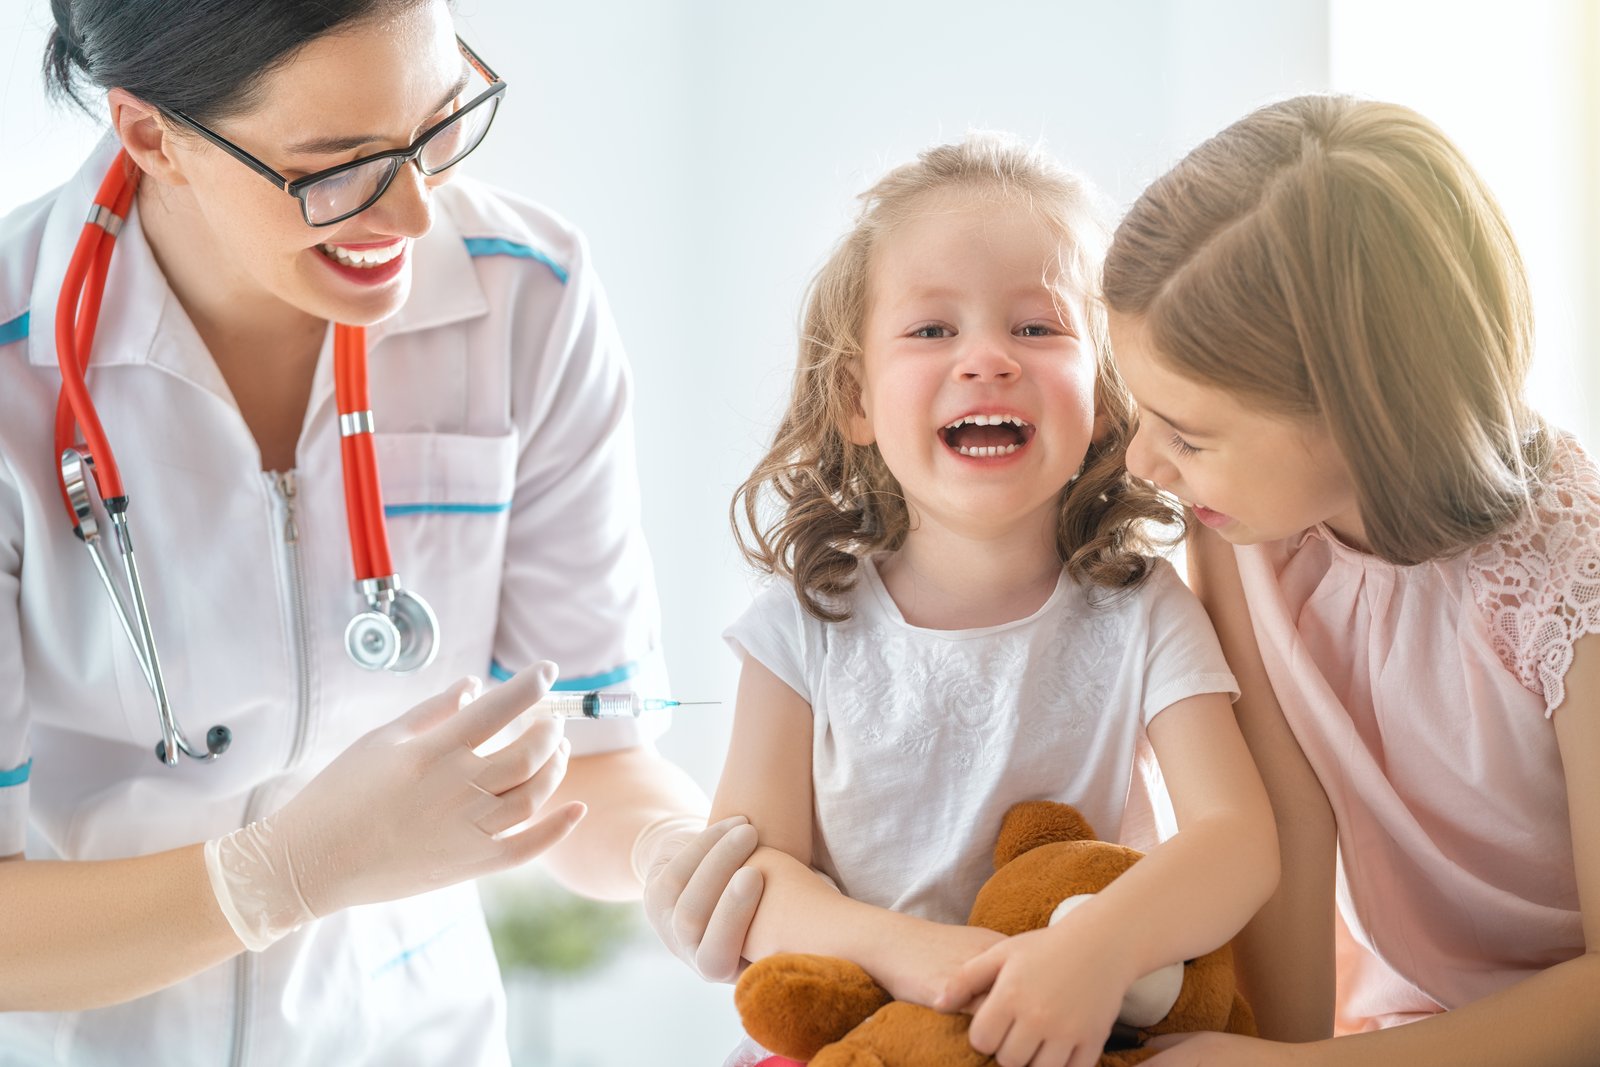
(970,436)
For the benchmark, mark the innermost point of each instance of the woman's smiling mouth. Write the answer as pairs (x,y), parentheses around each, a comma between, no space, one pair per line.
(367,256)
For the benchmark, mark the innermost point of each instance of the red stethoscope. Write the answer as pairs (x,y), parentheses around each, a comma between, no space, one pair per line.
(395,631)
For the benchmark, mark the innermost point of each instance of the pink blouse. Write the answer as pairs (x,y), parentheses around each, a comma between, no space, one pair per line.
(1422,697)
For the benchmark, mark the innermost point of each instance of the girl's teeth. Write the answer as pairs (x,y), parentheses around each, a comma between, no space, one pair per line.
(986,420)
(363,257)
(990,450)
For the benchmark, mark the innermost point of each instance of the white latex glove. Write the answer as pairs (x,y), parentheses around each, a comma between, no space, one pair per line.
(698,895)
(407,808)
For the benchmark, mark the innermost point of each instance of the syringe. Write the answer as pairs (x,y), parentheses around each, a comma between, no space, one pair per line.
(604,705)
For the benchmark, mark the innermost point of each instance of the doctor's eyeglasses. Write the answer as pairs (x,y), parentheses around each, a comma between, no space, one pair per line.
(335,194)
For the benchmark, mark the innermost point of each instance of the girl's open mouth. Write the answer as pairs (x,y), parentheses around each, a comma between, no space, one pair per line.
(987,435)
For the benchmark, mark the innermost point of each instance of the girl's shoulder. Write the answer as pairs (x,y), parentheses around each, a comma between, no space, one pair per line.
(777,603)
(1538,580)
(1556,537)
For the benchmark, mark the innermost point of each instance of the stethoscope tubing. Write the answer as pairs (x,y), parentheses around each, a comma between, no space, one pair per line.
(363,496)
(76,322)
(77,319)
(397,630)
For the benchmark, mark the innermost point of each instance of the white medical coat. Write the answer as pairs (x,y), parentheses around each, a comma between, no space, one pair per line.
(502,401)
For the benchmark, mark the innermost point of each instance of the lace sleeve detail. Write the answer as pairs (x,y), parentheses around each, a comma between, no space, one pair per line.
(1538,583)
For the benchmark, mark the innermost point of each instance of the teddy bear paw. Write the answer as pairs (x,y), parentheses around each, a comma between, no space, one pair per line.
(794,1004)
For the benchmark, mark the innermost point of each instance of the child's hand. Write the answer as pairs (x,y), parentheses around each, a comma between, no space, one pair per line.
(1052,999)
(927,956)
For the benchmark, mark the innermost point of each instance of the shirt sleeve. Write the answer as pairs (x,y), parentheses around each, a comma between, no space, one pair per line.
(15,753)
(1538,582)
(578,587)
(773,632)
(1183,657)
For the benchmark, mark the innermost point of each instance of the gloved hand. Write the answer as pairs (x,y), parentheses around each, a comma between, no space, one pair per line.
(698,895)
(407,808)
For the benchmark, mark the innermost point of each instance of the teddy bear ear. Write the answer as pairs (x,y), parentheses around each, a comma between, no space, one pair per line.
(1038,822)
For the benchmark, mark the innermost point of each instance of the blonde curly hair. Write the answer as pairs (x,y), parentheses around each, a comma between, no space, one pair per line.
(837,502)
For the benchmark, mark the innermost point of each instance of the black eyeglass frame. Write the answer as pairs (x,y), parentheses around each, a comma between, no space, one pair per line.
(297,188)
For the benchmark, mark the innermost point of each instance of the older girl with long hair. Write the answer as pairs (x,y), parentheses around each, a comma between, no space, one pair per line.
(1325,322)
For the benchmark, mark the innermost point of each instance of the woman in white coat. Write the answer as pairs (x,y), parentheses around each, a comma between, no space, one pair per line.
(305,897)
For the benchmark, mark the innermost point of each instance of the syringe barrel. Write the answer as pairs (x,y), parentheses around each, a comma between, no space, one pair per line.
(589,706)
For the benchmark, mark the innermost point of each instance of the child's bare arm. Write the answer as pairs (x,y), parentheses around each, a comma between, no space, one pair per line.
(1198,889)
(767,774)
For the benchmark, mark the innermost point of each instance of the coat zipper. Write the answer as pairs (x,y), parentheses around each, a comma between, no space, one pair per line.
(284,488)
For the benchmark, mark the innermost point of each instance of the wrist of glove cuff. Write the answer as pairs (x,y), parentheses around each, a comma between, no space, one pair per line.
(255,885)
(657,833)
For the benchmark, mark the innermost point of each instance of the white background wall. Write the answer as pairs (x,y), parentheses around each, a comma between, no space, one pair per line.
(711,150)
(1517,86)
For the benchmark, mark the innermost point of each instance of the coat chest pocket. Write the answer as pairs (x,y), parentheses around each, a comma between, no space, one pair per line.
(447,504)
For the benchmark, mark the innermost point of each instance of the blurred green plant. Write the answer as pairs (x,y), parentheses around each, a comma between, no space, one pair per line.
(538,926)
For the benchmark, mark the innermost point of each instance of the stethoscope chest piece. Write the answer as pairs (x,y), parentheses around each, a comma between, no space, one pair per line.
(398,632)
(373,641)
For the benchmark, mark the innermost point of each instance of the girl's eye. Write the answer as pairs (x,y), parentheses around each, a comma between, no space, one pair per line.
(1037,329)
(932,331)
(1182,447)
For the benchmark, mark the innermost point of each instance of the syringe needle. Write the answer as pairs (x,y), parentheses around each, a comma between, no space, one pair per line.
(657,704)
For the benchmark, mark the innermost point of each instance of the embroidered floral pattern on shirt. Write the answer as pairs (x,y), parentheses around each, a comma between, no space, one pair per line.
(891,690)
(896,689)
(1538,583)
(1080,676)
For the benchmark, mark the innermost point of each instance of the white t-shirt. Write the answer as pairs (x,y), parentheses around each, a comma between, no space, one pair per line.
(922,739)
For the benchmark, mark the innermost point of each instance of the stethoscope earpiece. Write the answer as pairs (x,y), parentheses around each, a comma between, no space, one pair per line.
(218,738)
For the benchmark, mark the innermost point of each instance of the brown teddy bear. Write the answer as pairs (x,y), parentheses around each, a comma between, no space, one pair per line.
(831,1013)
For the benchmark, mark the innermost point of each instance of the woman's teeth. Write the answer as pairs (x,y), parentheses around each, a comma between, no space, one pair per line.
(362,257)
